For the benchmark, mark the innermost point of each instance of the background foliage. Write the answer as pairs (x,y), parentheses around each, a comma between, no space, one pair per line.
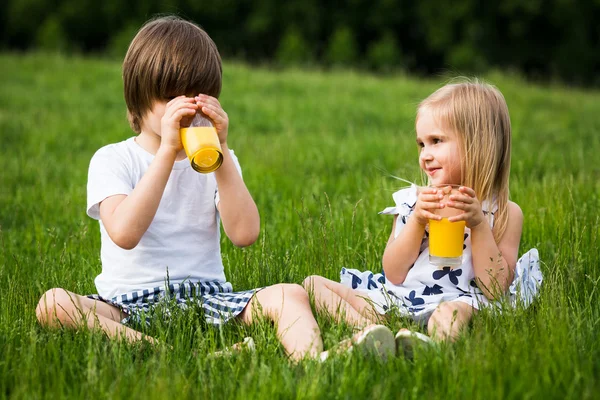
(543,39)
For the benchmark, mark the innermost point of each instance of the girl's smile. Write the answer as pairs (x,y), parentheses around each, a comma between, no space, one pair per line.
(431,171)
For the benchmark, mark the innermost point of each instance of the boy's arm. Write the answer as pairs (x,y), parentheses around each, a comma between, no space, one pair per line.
(126,218)
(239,214)
(238,211)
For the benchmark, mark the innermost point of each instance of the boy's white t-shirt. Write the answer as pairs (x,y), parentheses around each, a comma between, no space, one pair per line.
(183,237)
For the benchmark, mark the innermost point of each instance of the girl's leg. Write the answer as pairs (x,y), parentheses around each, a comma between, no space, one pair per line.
(448,319)
(342,302)
(59,307)
(288,306)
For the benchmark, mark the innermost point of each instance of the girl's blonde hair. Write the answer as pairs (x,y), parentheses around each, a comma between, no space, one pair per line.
(477,113)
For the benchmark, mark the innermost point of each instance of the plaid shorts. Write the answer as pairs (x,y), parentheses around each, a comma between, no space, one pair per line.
(217,299)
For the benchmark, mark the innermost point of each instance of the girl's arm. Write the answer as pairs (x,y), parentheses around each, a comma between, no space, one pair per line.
(402,252)
(494,264)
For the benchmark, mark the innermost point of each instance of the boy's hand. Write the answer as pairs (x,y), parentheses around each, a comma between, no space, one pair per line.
(178,112)
(213,110)
(468,202)
(428,201)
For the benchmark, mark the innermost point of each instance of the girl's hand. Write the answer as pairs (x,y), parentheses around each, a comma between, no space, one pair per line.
(467,201)
(213,110)
(428,200)
(179,109)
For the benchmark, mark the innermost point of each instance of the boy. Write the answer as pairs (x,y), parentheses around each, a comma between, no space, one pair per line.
(158,216)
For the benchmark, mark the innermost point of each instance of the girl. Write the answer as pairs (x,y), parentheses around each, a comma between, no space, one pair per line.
(464,138)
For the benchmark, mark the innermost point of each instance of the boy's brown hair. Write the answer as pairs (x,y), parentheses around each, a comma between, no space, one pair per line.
(168,57)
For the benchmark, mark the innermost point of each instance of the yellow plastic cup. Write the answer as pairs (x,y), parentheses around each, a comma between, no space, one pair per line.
(201,144)
(446,238)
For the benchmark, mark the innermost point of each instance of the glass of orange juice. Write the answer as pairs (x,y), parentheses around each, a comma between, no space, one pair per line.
(201,144)
(446,238)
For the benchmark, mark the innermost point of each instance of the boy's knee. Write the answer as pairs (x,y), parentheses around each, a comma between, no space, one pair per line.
(276,295)
(293,291)
(55,306)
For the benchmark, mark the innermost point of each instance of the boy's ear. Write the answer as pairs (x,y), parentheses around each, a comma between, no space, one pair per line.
(134,122)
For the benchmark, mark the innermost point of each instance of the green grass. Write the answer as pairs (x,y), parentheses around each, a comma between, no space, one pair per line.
(317,151)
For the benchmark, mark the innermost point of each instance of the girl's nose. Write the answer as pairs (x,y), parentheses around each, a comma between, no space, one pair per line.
(426,155)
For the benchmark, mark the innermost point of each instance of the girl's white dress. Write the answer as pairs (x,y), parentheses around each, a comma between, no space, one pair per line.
(427,285)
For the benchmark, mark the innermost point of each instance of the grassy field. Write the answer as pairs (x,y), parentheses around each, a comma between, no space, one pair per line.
(318,151)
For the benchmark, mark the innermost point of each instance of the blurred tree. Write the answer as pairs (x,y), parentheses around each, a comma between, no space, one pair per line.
(384,54)
(293,49)
(542,38)
(119,43)
(341,49)
(24,18)
(51,36)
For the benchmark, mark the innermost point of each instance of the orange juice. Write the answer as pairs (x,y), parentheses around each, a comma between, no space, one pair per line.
(446,238)
(202,146)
